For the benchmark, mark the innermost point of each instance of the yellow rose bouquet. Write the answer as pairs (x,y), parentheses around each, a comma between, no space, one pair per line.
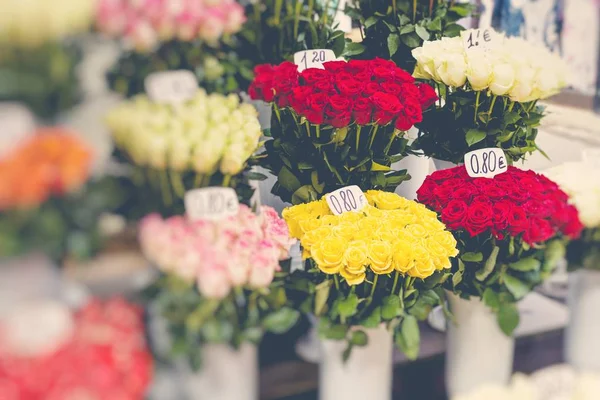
(380,265)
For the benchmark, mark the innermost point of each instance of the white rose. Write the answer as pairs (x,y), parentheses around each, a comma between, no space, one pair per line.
(179,153)
(523,86)
(503,79)
(479,71)
(234,160)
(452,70)
(157,151)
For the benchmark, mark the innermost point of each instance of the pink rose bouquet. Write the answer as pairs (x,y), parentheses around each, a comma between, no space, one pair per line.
(148,22)
(219,277)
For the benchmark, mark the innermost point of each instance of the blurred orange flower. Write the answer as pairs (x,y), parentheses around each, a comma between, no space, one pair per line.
(52,162)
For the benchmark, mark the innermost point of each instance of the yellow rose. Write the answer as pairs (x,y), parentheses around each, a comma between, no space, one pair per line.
(313,237)
(330,220)
(423,266)
(402,218)
(369,224)
(405,236)
(318,208)
(345,231)
(356,256)
(350,217)
(441,263)
(386,200)
(309,224)
(373,212)
(329,254)
(447,240)
(436,249)
(418,209)
(352,279)
(417,230)
(432,224)
(402,256)
(380,256)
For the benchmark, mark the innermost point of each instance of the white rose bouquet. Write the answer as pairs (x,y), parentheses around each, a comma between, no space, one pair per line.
(581,181)
(489,87)
(206,141)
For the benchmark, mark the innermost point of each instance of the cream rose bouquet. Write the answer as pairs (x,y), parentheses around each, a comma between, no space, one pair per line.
(220,280)
(380,265)
(206,141)
(489,87)
(581,181)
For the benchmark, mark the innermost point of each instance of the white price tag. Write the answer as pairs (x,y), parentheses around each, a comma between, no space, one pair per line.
(16,123)
(591,157)
(213,203)
(481,39)
(313,58)
(171,86)
(349,198)
(485,163)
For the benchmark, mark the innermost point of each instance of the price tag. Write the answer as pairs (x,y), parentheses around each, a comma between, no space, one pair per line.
(591,157)
(213,203)
(349,198)
(313,58)
(481,39)
(171,86)
(485,163)
(16,123)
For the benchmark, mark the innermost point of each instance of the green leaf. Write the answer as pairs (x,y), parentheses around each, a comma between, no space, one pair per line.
(424,304)
(525,264)
(508,318)
(288,180)
(371,21)
(458,275)
(393,42)
(460,10)
(474,136)
(256,176)
(407,29)
(373,320)
(314,179)
(435,25)
(408,338)
(489,265)
(359,338)
(253,334)
(333,332)
(422,32)
(379,167)
(491,299)
(281,321)
(321,296)
(472,257)
(353,49)
(215,331)
(348,306)
(412,40)
(515,286)
(390,307)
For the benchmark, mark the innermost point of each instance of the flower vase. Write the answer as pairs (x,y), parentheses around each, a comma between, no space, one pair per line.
(439,165)
(367,374)
(478,352)
(582,349)
(225,374)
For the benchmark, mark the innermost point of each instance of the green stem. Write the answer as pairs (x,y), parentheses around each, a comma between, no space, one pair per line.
(491,109)
(370,299)
(307,128)
(277,12)
(297,17)
(511,106)
(277,114)
(165,188)
(414,11)
(358,129)
(476,106)
(394,7)
(373,135)
(389,145)
(177,183)
(336,282)
(326,13)
(198,180)
(311,5)
(226,180)
(396,277)
(318,131)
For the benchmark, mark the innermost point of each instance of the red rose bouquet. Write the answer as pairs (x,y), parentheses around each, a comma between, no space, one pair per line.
(338,126)
(511,230)
(100,352)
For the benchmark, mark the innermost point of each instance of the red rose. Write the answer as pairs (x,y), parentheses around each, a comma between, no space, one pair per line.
(425,192)
(464,192)
(479,218)
(313,75)
(357,66)
(519,195)
(454,214)
(574,227)
(383,74)
(264,69)
(262,88)
(517,221)
(339,111)
(536,208)
(325,87)
(364,77)
(403,122)
(350,87)
(335,66)
(444,192)
(391,88)
(443,174)
(539,231)
(403,76)
(412,109)
(298,99)
(493,192)
(531,184)
(387,107)
(371,88)
(502,211)
(409,92)
(315,111)
(363,111)
(427,95)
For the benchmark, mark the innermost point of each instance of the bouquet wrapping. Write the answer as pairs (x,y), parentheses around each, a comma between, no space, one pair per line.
(581,181)
(98,352)
(206,141)
(511,230)
(381,264)
(47,201)
(339,126)
(488,94)
(219,277)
